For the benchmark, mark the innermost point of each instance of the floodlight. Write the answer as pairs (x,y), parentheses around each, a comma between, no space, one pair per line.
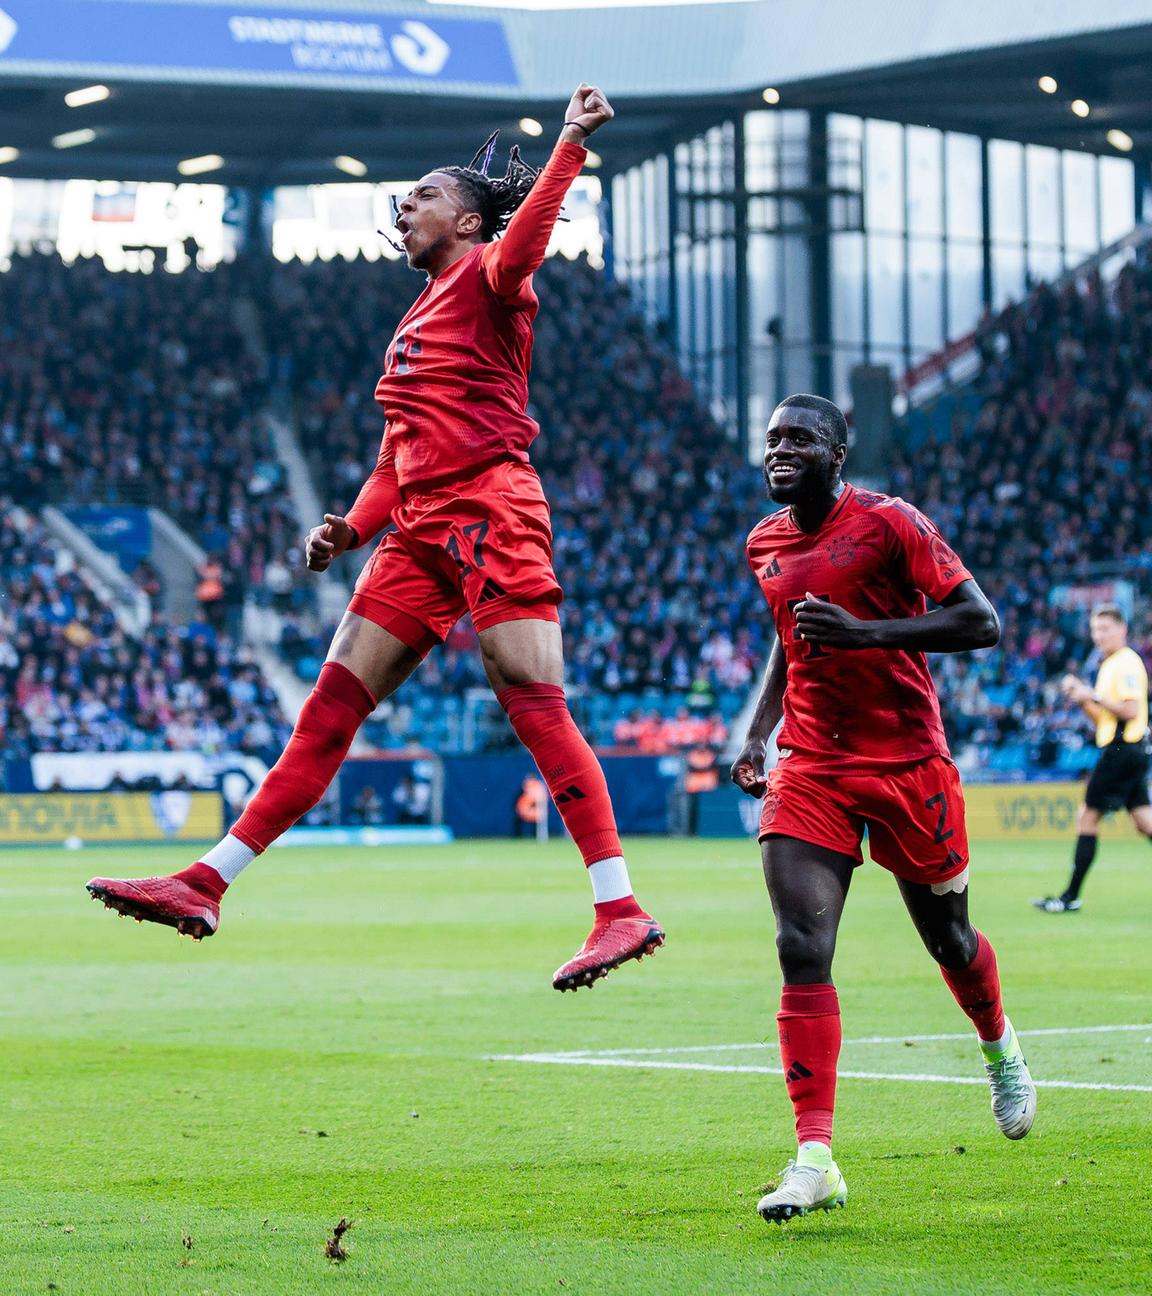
(86,95)
(70,139)
(198,165)
(350,165)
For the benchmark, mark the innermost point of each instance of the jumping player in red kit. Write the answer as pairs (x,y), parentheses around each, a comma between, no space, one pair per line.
(472,534)
(846,572)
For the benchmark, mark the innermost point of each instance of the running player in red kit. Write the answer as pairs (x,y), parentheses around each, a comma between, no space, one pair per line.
(472,534)
(846,572)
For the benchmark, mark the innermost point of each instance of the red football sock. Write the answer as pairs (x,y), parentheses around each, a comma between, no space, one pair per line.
(626,907)
(977,991)
(333,711)
(541,719)
(201,877)
(809,1025)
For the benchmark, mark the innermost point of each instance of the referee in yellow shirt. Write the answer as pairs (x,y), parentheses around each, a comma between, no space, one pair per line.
(1119,706)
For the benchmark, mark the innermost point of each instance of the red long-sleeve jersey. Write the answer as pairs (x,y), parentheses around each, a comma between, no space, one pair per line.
(455,383)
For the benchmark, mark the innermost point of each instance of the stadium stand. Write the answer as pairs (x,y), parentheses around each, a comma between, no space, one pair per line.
(140,389)
(656,616)
(73,679)
(1033,472)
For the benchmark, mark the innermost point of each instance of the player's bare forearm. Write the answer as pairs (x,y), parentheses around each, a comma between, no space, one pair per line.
(748,768)
(571,135)
(770,703)
(965,622)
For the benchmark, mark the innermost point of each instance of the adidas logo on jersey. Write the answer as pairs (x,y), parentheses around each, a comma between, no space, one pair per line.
(773,569)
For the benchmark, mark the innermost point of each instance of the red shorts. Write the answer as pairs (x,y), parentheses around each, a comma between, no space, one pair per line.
(482,544)
(914,814)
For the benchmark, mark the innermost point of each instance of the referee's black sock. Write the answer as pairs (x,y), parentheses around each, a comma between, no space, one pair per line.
(1082,862)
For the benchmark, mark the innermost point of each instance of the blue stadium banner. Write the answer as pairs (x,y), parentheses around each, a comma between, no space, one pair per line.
(121,530)
(254,41)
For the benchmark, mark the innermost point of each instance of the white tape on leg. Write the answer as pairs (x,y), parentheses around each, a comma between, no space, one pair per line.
(958,884)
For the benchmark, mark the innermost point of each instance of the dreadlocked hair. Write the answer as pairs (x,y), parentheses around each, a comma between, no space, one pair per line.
(496,200)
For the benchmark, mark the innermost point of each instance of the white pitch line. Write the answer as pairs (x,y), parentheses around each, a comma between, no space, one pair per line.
(867,1039)
(1025,1034)
(568,1059)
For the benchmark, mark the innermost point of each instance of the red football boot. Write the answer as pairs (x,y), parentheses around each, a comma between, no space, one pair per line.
(173,900)
(611,942)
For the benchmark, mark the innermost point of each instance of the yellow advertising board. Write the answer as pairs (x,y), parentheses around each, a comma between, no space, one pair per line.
(54,818)
(1031,812)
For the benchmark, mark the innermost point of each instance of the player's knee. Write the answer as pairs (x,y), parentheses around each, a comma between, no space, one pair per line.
(805,953)
(953,946)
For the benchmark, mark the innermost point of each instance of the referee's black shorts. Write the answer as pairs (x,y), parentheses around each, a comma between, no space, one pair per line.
(1119,780)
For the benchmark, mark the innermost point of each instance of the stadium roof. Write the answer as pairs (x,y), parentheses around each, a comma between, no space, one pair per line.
(279,90)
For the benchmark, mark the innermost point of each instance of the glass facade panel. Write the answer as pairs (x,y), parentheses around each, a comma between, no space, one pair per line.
(898,289)
(845,137)
(1117,199)
(1006,180)
(1043,170)
(1007,273)
(886,294)
(1081,226)
(848,294)
(761,155)
(884,176)
(926,288)
(925,181)
(964,185)
(965,286)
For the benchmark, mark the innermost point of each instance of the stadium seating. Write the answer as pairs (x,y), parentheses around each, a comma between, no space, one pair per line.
(139,389)
(1032,472)
(660,611)
(133,388)
(72,679)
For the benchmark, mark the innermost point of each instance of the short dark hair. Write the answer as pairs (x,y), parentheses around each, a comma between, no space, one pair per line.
(830,417)
(1112,610)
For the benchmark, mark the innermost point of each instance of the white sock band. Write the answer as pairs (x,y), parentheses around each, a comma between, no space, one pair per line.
(609,879)
(229,858)
(1000,1045)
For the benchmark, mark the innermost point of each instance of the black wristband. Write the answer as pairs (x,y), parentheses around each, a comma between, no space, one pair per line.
(585,129)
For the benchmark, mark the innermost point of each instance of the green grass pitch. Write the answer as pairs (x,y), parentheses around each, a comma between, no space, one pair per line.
(179,1118)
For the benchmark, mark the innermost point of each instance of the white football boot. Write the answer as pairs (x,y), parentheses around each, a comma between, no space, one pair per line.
(1013,1089)
(803,1189)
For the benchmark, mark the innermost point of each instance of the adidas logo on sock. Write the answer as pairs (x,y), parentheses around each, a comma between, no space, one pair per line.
(797,1071)
(570,793)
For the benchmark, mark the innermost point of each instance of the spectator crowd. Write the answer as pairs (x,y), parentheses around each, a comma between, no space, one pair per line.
(73,679)
(140,389)
(650,500)
(133,388)
(1040,478)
